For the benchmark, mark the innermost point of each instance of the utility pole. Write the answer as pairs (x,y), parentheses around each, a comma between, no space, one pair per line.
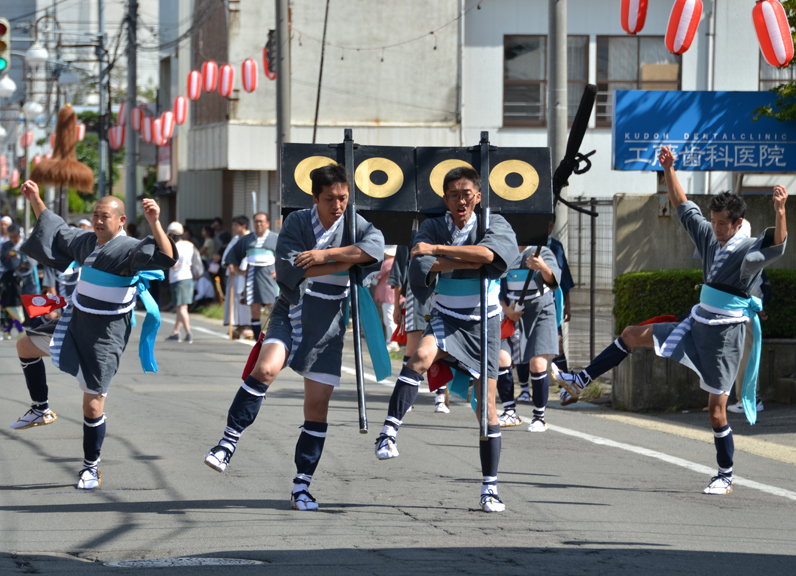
(557,112)
(282,81)
(130,179)
(100,51)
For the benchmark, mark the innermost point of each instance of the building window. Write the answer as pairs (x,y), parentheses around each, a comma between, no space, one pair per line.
(771,76)
(632,63)
(525,77)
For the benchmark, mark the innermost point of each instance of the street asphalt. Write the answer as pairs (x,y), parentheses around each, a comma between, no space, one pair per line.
(601,492)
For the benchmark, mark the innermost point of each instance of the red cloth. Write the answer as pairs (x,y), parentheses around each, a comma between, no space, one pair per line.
(659,320)
(399,336)
(38,304)
(506,328)
(253,355)
(439,374)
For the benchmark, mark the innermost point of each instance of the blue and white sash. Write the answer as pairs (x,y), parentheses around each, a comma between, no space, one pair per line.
(118,290)
(259,256)
(451,294)
(68,277)
(733,310)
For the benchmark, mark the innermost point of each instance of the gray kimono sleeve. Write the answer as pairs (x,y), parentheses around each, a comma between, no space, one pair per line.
(288,246)
(420,281)
(398,271)
(238,252)
(371,241)
(552,263)
(53,243)
(502,241)
(147,255)
(762,253)
(698,228)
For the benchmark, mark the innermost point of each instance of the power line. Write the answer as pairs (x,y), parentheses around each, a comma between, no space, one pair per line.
(396,44)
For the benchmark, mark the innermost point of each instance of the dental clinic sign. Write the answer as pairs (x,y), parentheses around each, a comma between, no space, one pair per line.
(707,131)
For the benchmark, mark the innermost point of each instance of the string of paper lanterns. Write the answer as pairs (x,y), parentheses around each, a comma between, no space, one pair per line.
(770,21)
(160,130)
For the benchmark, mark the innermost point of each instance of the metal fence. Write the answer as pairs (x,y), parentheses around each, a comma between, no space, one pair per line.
(590,256)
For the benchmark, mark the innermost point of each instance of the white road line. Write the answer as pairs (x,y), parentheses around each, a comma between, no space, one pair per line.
(203,330)
(693,466)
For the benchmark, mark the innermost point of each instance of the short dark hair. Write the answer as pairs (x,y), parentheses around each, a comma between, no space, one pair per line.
(225,238)
(241,220)
(12,229)
(459,173)
(208,230)
(219,220)
(259,213)
(328,175)
(730,202)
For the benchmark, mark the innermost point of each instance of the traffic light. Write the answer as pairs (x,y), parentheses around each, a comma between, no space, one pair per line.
(5,45)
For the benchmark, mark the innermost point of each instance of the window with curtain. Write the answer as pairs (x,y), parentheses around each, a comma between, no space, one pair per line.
(632,63)
(525,77)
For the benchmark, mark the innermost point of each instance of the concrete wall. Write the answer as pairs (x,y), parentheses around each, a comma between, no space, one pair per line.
(646,382)
(645,241)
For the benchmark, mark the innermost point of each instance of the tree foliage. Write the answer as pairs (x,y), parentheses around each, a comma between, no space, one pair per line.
(784,107)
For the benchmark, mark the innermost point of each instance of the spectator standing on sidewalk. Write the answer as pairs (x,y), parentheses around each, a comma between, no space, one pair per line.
(181,281)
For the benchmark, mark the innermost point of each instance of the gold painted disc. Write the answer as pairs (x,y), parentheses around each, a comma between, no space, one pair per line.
(395,177)
(305,168)
(441,170)
(530,180)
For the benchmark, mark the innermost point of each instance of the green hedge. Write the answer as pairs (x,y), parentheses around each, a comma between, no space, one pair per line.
(639,296)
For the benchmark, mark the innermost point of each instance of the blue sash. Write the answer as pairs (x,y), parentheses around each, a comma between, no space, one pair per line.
(750,307)
(149,330)
(374,333)
(559,296)
(463,286)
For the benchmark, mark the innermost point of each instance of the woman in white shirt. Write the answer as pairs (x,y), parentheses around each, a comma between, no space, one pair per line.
(181,281)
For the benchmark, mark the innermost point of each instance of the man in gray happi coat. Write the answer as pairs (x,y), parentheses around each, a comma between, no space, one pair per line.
(710,341)
(253,256)
(308,323)
(89,339)
(447,258)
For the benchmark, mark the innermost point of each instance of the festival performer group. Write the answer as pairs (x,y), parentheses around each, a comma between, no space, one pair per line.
(439,276)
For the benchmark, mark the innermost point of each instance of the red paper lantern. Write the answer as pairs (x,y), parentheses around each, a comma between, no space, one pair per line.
(157,132)
(146,130)
(26,139)
(36,159)
(226,80)
(180,110)
(249,75)
(3,161)
(80,131)
(14,180)
(3,172)
(210,75)
(116,137)
(52,140)
(136,117)
(48,156)
(634,14)
(194,85)
(167,124)
(121,117)
(773,32)
(268,65)
(683,24)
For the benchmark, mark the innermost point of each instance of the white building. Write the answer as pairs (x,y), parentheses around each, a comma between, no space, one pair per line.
(431,73)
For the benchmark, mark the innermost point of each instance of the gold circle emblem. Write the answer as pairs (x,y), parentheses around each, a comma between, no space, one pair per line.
(395,177)
(305,168)
(530,180)
(439,172)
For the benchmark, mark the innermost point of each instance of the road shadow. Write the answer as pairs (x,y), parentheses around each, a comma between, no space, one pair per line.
(581,558)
